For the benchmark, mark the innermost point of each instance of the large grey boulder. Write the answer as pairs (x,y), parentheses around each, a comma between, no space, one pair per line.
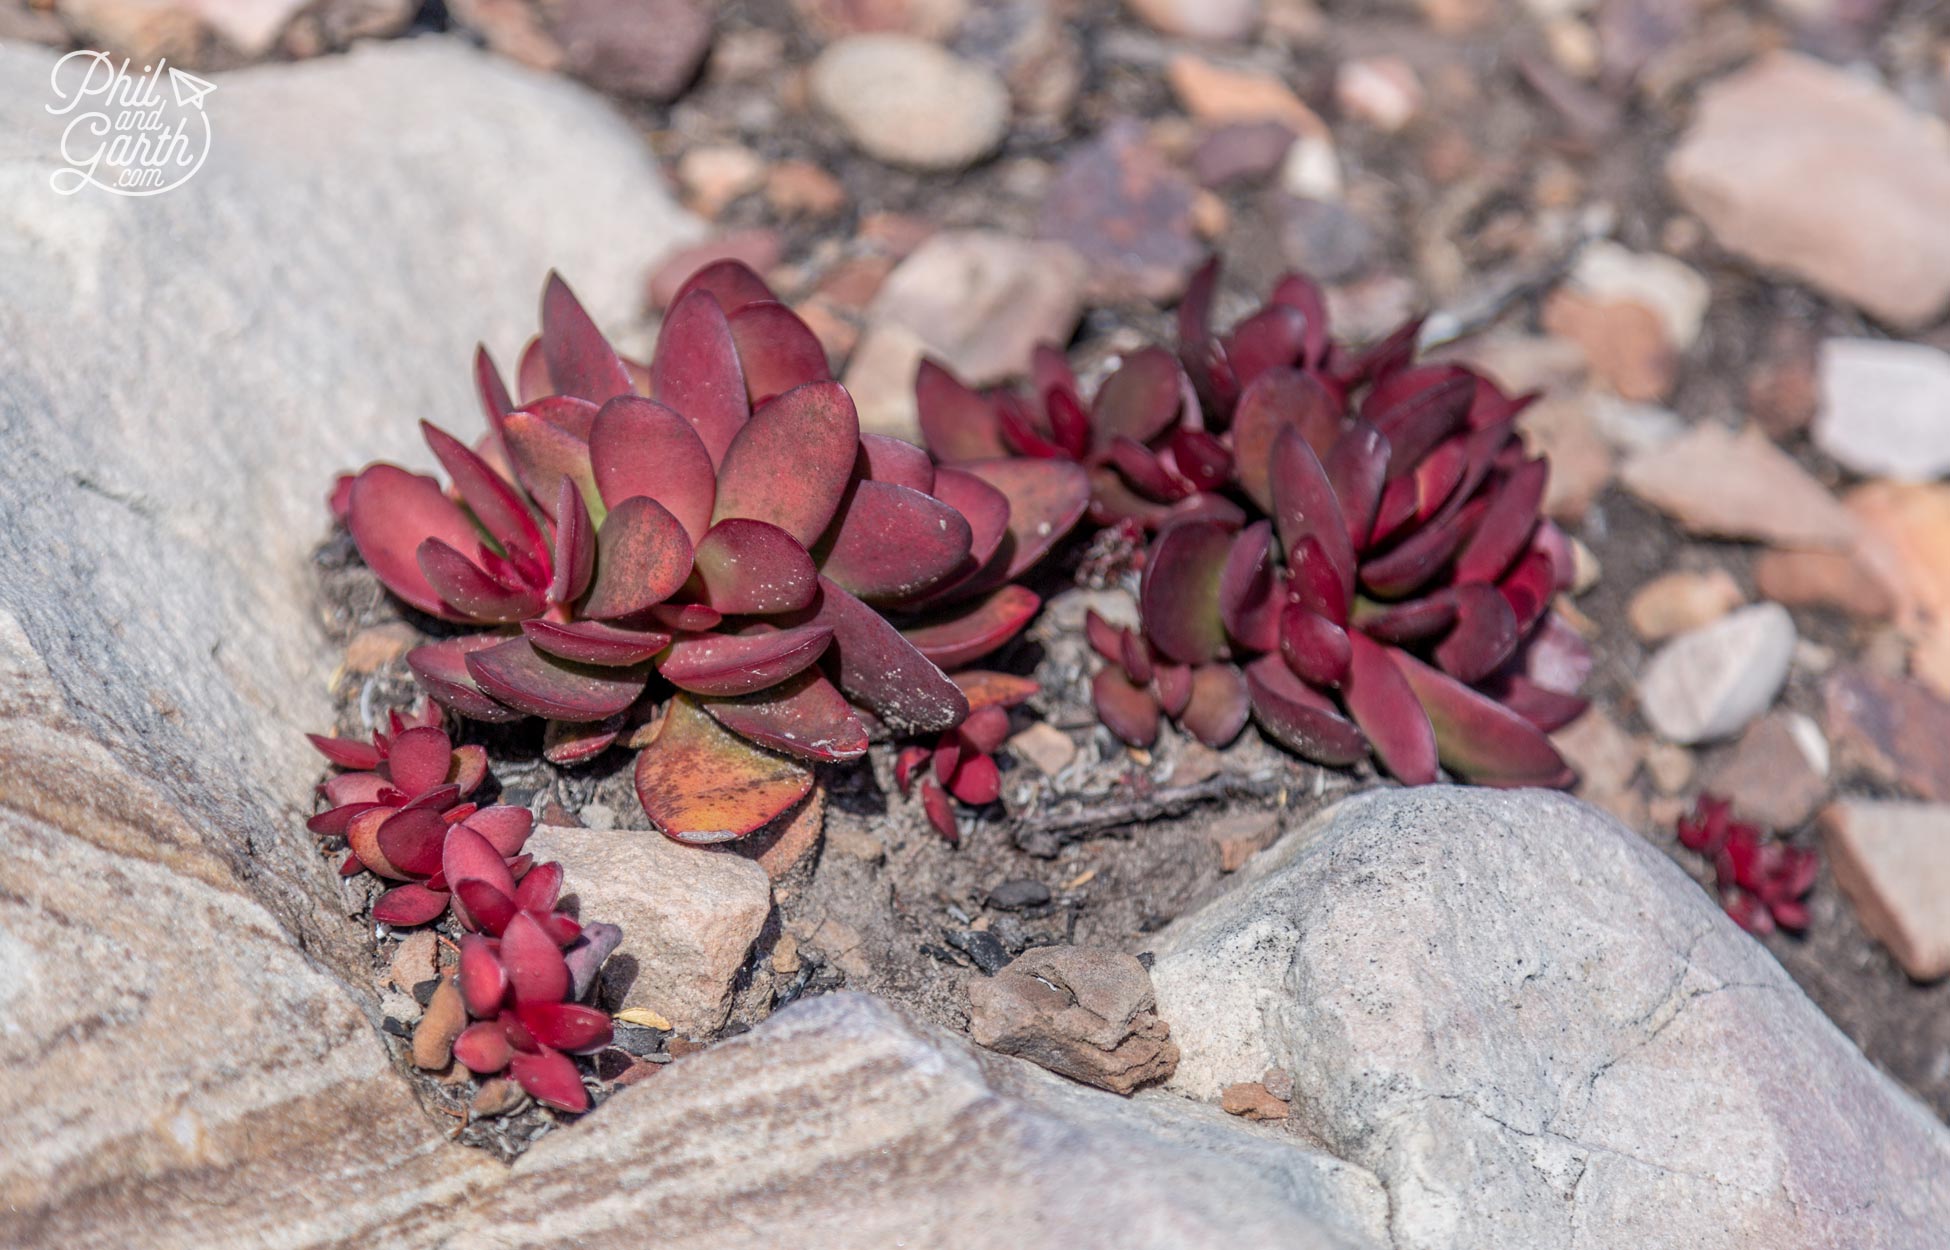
(183,1060)
(842,1125)
(1538,1032)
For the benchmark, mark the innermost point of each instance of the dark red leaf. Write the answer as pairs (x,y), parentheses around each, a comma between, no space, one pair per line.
(732,283)
(565,1026)
(1248,602)
(1484,636)
(1411,564)
(1480,739)
(1218,707)
(976,780)
(551,1079)
(1046,498)
(893,543)
(536,972)
(592,642)
(805,716)
(473,592)
(1313,580)
(581,363)
(696,371)
(483,1048)
(1178,596)
(985,508)
(411,840)
(467,855)
(642,557)
(1299,291)
(487,908)
(1279,399)
(733,664)
(884,458)
(1273,337)
(956,423)
(1506,526)
(986,728)
(1304,506)
(1385,707)
(506,828)
(441,669)
(747,567)
(515,673)
(1299,717)
(407,905)
(967,632)
(493,502)
(539,889)
(483,981)
(777,349)
(1549,710)
(1412,620)
(1127,710)
(544,453)
(391,513)
(419,759)
(346,752)
(934,800)
(1104,638)
(790,465)
(1144,471)
(1140,400)
(639,447)
(883,670)
(575,545)
(1357,467)
(1426,413)
(1315,648)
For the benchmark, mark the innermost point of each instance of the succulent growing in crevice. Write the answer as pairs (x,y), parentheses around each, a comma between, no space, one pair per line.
(520,988)
(714,524)
(1368,571)
(962,759)
(1762,881)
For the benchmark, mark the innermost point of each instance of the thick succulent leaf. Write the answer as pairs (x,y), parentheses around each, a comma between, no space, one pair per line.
(1484,636)
(471,591)
(967,632)
(575,546)
(732,283)
(790,464)
(496,403)
(405,906)
(1555,656)
(362,836)
(1143,469)
(976,780)
(1313,580)
(1389,355)
(686,618)
(544,453)
(1271,338)
(1140,400)
(805,715)
(985,508)
(467,856)
(1528,588)
(957,423)
(592,642)
(1126,709)
(986,728)
(777,349)
(482,907)
(493,502)
(536,973)
(540,888)
(941,813)
(1415,422)
(642,557)
(1248,589)
(745,567)
(1178,598)
(1046,499)
(566,1026)
(580,360)
(1022,433)
(1134,657)
(732,664)
(640,447)
(1199,350)
(531,373)
(1299,291)
(346,752)
(1549,710)
(885,458)
(883,671)
(1106,639)
(1304,506)
(1316,649)
(391,513)
(483,981)
(1201,459)
(419,759)
(1299,717)
(985,690)
(1506,526)
(1410,565)
(570,744)
(1412,620)
(1357,467)
(696,371)
(1069,424)
(699,782)
(1479,738)
(893,543)
(516,674)
(1383,705)
(1219,705)
(1172,684)
(441,669)
(1279,399)
(506,827)
(1113,501)
(411,840)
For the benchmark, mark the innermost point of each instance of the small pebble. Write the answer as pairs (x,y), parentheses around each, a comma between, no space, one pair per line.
(984,948)
(1019,894)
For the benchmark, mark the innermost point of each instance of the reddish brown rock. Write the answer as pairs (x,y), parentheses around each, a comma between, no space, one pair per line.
(1253,1101)
(1891,728)
(1822,579)
(1624,341)
(644,49)
(1084,1012)
(1778,773)
(1128,213)
(1893,862)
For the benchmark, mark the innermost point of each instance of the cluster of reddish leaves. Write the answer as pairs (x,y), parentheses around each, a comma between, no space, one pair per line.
(715,524)
(404,816)
(1348,544)
(962,760)
(1762,880)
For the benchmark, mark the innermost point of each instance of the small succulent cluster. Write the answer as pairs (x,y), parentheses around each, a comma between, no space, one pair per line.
(712,529)
(1762,880)
(403,812)
(1348,545)
(962,759)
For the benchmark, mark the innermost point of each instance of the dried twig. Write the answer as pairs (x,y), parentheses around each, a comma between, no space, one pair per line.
(1043,833)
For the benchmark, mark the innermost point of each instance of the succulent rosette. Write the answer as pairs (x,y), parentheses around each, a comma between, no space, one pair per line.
(1763,882)
(1371,574)
(714,522)
(962,760)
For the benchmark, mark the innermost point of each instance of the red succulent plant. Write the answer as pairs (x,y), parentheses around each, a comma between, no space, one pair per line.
(962,760)
(520,990)
(1762,881)
(717,521)
(1368,571)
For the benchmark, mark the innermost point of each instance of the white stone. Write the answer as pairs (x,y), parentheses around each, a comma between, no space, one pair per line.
(909,102)
(1217,20)
(1707,683)
(1540,1033)
(1885,408)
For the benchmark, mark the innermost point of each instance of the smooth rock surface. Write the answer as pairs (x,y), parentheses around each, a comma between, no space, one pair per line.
(1539,1032)
(189,1018)
(1709,682)
(1778,773)
(1892,859)
(1885,408)
(909,102)
(1727,485)
(689,917)
(1805,167)
(852,1128)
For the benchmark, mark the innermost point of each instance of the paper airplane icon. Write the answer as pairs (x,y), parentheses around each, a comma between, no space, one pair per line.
(189,89)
